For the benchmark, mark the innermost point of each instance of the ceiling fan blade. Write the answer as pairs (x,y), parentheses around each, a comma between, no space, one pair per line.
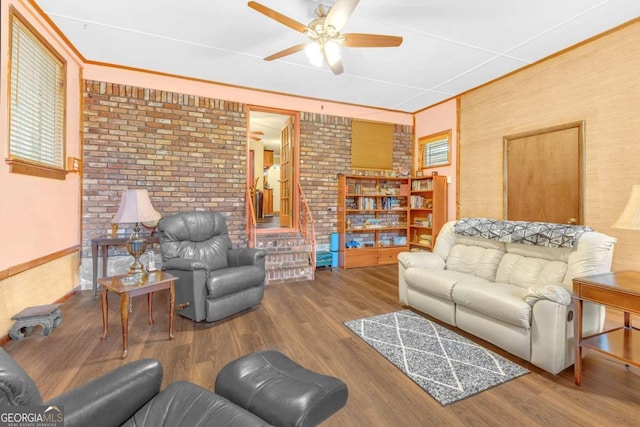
(285,20)
(340,13)
(255,138)
(285,52)
(371,40)
(336,65)
(257,132)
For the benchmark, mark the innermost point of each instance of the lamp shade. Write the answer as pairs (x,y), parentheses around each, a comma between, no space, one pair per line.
(630,217)
(135,206)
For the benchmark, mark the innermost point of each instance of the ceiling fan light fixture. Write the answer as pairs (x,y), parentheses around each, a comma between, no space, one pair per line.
(324,33)
(314,53)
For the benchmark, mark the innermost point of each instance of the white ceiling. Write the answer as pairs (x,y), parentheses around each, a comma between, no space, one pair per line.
(450,46)
(270,125)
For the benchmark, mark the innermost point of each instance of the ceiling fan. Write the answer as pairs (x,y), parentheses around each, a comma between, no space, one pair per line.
(324,34)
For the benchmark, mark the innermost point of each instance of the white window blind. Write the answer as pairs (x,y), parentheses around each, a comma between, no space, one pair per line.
(436,152)
(37,100)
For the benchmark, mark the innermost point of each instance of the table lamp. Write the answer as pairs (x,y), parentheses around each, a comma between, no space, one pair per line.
(135,208)
(630,217)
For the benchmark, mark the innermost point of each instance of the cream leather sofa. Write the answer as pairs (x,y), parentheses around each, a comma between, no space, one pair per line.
(516,296)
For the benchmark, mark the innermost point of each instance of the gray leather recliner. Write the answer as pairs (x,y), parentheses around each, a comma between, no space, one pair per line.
(215,280)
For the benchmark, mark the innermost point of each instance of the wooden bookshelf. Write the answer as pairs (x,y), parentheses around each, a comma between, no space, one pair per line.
(372,219)
(427,210)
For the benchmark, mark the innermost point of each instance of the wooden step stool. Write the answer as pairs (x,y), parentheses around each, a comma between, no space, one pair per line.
(48,316)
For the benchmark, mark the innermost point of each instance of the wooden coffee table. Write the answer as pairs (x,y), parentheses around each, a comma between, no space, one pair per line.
(618,290)
(127,287)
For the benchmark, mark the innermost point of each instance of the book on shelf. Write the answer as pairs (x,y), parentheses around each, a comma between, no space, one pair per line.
(422,185)
(422,239)
(356,188)
(425,239)
(423,221)
(400,241)
(366,203)
(373,223)
(419,202)
(392,203)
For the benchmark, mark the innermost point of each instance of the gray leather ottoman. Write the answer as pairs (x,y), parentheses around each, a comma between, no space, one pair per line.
(278,390)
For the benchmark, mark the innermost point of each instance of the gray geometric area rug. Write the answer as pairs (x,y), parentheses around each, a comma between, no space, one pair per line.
(446,365)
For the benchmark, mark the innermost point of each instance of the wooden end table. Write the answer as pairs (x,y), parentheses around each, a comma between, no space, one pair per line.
(619,290)
(100,246)
(127,287)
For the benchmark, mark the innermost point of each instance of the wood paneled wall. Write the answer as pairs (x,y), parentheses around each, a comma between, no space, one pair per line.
(598,82)
(39,285)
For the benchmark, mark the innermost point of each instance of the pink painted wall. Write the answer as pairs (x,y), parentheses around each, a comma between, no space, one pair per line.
(38,216)
(439,118)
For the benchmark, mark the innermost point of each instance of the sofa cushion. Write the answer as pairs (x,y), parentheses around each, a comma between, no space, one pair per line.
(480,241)
(499,301)
(438,283)
(477,260)
(544,252)
(527,271)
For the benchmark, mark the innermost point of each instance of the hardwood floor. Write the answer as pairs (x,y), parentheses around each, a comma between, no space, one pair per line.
(304,320)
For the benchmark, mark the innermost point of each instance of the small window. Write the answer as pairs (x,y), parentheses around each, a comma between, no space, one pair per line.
(435,150)
(36,105)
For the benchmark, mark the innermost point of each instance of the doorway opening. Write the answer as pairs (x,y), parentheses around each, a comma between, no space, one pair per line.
(273,167)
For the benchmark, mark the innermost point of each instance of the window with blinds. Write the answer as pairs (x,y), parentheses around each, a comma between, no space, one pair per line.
(37,105)
(435,150)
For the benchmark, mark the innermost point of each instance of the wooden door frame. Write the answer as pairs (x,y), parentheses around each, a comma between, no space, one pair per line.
(580,126)
(295,157)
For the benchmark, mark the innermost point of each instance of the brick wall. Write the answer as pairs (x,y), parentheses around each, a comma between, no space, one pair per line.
(190,153)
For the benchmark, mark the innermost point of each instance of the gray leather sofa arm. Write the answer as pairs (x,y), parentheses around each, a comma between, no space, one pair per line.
(184,264)
(113,398)
(237,257)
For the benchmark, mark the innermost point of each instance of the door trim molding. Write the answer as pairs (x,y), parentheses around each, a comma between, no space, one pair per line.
(296,157)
